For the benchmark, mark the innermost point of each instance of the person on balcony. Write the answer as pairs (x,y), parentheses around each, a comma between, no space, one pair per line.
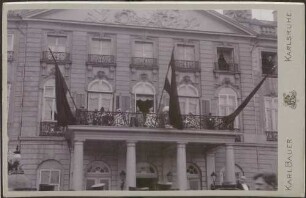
(223,65)
(267,64)
(119,120)
(150,119)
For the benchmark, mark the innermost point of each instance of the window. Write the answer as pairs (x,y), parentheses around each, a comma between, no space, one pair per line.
(50,177)
(225,59)
(227,103)
(188,99)
(101,46)
(144,97)
(49,173)
(194,177)
(98,173)
(185,52)
(57,43)
(49,105)
(10,42)
(268,60)
(271,104)
(143,49)
(100,94)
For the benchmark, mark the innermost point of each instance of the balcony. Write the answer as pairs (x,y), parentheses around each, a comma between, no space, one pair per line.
(271,136)
(60,57)
(101,60)
(187,66)
(151,120)
(230,67)
(50,129)
(10,56)
(144,63)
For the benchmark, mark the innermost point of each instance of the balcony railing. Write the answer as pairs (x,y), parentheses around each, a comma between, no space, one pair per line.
(187,66)
(101,60)
(50,129)
(150,120)
(144,63)
(271,136)
(60,57)
(229,67)
(10,55)
(267,69)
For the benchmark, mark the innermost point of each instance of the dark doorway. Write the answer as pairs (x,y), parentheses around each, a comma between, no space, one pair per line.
(151,183)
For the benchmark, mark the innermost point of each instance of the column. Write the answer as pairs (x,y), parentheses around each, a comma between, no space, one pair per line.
(229,165)
(78,166)
(210,168)
(131,165)
(181,166)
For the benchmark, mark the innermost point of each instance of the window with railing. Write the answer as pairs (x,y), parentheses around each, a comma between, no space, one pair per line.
(225,60)
(143,55)
(185,60)
(101,52)
(188,99)
(271,112)
(10,47)
(268,60)
(58,46)
(228,103)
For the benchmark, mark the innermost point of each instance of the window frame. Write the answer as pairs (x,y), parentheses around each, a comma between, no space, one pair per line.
(10,46)
(227,112)
(47,84)
(50,172)
(56,36)
(189,97)
(100,40)
(138,42)
(182,45)
(274,113)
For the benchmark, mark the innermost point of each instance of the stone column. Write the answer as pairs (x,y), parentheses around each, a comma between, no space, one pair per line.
(78,166)
(229,165)
(181,166)
(131,165)
(210,168)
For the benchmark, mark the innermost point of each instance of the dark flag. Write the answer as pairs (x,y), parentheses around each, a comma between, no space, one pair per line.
(64,113)
(174,105)
(229,119)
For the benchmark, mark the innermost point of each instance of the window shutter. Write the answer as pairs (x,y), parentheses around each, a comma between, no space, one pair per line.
(79,100)
(205,107)
(125,103)
(117,102)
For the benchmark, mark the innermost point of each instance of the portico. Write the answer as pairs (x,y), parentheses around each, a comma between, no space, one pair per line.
(174,140)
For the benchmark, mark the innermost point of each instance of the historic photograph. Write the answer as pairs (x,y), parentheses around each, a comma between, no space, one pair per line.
(142,100)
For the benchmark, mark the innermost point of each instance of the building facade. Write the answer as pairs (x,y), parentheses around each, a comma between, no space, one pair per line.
(114,63)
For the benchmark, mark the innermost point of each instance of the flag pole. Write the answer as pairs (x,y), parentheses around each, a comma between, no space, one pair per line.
(67,88)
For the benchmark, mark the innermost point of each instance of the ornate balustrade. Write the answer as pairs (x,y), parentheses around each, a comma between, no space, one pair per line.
(101,60)
(60,57)
(50,129)
(150,120)
(230,67)
(271,136)
(144,63)
(187,66)
(10,55)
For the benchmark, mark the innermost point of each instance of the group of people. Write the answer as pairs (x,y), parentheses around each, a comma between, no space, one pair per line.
(262,181)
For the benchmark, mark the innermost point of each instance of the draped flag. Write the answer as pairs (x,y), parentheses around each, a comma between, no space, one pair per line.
(231,117)
(175,118)
(64,113)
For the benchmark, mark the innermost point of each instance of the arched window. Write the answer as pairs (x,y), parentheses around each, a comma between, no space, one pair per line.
(189,99)
(98,172)
(49,104)
(194,177)
(144,97)
(100,94)
(49,175)
(227,103)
